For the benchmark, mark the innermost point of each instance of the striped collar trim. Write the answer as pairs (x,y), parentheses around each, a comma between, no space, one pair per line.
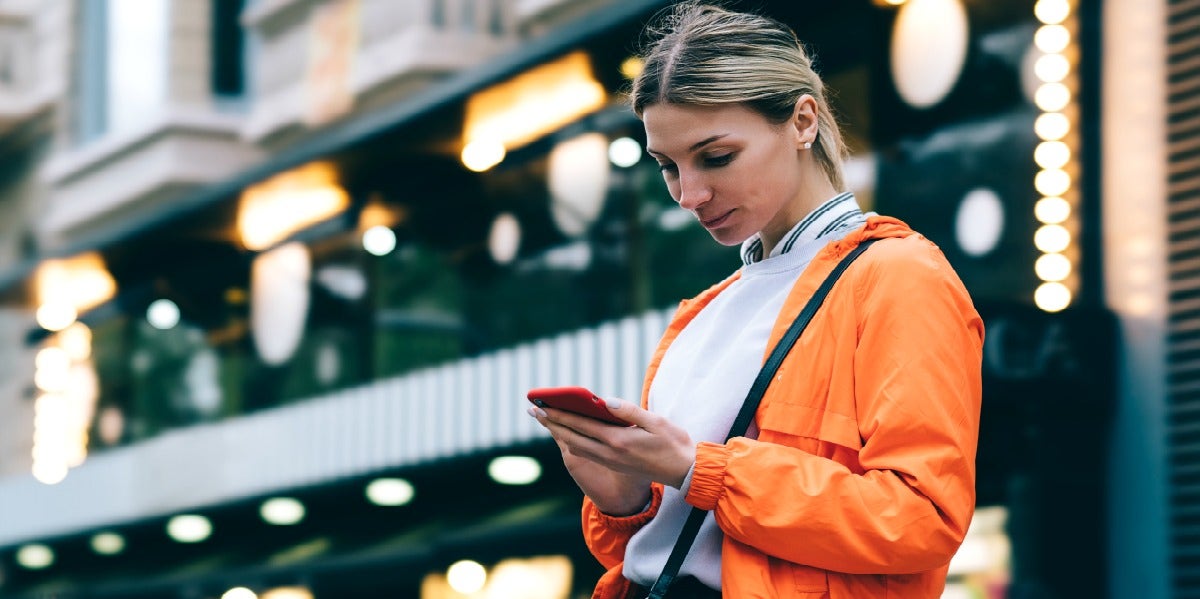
(835,214)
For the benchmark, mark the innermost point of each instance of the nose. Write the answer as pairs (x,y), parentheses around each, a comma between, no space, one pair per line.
(693,190)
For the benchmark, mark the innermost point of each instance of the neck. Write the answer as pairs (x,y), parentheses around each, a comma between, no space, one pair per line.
(807,200)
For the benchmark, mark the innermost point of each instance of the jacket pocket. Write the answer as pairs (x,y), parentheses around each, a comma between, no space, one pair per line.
(806,427)
(792,578)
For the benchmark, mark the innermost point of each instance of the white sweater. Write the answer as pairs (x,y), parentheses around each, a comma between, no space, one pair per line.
(707,371)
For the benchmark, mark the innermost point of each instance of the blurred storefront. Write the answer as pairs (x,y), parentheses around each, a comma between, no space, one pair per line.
(285,330)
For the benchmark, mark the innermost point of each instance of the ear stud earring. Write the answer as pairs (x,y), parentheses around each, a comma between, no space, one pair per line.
(807,145)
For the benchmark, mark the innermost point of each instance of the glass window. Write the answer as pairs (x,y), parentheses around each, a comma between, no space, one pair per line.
(228,49)
(137,60)
(121,68)
(91,71)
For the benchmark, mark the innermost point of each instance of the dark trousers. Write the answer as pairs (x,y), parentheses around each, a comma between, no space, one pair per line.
(684,587)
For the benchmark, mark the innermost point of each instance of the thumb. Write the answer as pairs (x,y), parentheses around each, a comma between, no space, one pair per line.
(627,410)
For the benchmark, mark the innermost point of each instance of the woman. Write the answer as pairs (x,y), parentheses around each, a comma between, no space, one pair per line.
(856,478)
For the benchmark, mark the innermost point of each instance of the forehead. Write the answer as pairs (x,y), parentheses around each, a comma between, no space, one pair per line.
(673,128)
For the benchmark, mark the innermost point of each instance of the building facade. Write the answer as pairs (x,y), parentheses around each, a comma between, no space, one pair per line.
(276,275)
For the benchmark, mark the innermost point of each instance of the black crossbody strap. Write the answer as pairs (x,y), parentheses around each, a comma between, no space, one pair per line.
(696,517)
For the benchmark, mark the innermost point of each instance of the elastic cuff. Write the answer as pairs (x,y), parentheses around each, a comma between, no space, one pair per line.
(687,480)
(708,475)
(624,523)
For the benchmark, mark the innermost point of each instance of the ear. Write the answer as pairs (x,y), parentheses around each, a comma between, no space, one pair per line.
(805,121)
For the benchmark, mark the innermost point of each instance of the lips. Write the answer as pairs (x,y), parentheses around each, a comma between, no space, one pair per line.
(715,221)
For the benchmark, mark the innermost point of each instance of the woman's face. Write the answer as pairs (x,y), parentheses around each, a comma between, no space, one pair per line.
(737,172)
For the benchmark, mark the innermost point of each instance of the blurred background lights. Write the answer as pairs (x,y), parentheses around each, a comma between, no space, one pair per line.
(390,491)
(1052,267)
(1052,154)
(1052,38)
(928,50)
(577,173)
(346,282)
(35,556)
(1052,297)
(379,240)
(108,543)
(955,590)
(1052,126)
(675,219)
(504,238)
(481,155)
(466,576)
(1052,211)
(54,360)
(49,472)
(189,528)
(50,381)
(287,593)
(527,106)
(1052,239)
(239,593)
(110,425)
(514,470)
(273,210)
(1052,182)
(624,152)
(1052,97)
(65,288)
(56,316)
(76,340)
(1052,68)
(974,555)
(280,284)
(163,314)
(1052,12)
(282,511)
(631,67)
(541,577)
(979,222)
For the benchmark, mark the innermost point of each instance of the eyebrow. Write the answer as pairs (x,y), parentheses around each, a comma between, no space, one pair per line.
(695,146)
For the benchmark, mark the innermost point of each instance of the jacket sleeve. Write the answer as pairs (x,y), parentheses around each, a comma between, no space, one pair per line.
(606,536)
(917,388)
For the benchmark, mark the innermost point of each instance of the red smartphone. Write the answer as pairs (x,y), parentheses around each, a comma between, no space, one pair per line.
(573,399)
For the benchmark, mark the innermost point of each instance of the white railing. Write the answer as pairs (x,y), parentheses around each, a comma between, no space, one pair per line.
(454,409)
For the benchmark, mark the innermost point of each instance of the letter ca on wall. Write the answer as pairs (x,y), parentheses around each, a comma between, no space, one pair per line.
(1024,349)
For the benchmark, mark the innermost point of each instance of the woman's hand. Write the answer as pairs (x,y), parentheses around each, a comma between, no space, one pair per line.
(614,465)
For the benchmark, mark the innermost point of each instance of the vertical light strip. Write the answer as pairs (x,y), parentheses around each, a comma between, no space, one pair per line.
(68,390)
(1056,154)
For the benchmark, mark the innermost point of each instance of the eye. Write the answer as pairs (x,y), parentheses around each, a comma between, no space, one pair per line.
(718,161)
(666,167)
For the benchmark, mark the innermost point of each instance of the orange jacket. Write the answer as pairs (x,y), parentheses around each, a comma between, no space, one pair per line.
(861,482)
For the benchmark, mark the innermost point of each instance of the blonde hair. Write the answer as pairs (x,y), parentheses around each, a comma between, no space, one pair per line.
(705,55)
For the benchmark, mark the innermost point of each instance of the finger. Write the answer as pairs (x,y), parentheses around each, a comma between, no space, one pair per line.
(631,412)
(565,428)
(579,424)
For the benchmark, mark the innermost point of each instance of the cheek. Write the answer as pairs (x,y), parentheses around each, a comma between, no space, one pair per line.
(672,187)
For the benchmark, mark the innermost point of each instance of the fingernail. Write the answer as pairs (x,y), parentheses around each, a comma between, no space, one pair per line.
(613,404)
(537,412)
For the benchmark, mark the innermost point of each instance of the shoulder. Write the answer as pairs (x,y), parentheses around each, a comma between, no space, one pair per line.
(904,256)
(911,266)
(897,250)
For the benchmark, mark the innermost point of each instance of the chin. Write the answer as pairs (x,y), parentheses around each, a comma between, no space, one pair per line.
(728,238)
